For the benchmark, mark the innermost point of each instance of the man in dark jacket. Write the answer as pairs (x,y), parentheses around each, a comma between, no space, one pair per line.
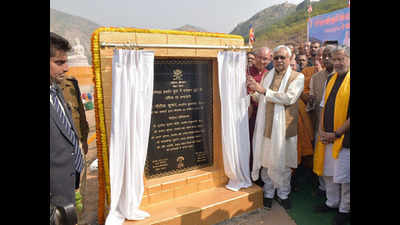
(65,155)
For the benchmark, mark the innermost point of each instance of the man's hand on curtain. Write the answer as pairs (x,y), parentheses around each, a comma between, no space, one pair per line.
(254,85)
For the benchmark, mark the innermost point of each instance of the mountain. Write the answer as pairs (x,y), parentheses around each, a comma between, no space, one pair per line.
(71,27)
(303,5)
(274,25)
(188,27)
(264,18)
(289,27)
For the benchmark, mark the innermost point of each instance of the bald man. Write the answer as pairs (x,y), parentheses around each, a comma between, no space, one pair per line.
(263,56)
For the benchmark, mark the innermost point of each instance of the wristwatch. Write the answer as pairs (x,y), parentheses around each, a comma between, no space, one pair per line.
(337,135)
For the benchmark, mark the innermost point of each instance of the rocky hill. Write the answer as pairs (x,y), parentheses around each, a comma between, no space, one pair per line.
(274,25)
(188,27)
(72,27)
(290,26)
(265,18)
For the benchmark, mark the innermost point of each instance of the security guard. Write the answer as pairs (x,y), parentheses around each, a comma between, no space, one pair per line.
(72,95)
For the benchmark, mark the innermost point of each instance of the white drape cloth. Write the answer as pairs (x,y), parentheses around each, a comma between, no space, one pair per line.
(132,96)
(277,152)
(234,118)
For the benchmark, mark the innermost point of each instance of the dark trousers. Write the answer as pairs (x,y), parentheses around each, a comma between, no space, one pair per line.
(77,179)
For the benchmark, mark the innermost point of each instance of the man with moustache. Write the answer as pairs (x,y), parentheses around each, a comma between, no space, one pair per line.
(307,48)
(314,47)
(332,153)
(317,83)
(301,61)
(275,134)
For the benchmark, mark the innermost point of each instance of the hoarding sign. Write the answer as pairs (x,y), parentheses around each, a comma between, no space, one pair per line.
(331,26)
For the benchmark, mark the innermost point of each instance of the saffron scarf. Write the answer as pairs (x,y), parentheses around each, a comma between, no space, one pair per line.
(340,116)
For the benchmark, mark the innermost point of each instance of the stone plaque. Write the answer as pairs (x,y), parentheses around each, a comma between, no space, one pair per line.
(181,121)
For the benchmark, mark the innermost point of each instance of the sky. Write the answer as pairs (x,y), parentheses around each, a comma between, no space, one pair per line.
(219,16)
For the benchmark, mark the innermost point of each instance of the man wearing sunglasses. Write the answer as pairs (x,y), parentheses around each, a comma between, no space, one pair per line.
(275,134)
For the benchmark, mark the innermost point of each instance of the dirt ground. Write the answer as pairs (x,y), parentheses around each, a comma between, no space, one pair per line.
(88,215)
(89,192)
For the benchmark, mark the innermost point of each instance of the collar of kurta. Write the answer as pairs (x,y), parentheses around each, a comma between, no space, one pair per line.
(280,73)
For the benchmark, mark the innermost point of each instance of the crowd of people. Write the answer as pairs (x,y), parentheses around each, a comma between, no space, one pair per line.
(300,116)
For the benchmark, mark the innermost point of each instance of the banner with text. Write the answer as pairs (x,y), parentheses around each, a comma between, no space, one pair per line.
(333,26)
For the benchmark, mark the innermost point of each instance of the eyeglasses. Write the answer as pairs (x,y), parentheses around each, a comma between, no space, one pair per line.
(280,57)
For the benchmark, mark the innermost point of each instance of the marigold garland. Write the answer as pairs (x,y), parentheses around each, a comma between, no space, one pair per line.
(101,139)
(99,109)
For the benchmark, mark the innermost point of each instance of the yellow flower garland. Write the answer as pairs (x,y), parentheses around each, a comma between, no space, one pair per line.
(102,147)
(100,125)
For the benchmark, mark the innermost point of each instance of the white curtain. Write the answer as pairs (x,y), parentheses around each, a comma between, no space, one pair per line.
(234,118)
(132,96)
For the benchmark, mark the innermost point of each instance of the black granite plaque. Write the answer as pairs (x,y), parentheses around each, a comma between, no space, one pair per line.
(181,120)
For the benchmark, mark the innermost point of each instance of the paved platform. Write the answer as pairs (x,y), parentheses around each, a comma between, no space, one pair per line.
(203,208)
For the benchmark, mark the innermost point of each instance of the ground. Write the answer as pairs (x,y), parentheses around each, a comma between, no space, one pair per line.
(88,215)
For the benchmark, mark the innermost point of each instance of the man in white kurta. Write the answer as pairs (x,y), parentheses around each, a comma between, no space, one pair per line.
(275,134)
